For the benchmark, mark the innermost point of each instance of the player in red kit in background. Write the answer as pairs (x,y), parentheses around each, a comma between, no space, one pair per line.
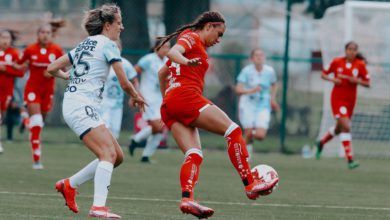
(39,90)
(348,72)
(184,109)
(8,56)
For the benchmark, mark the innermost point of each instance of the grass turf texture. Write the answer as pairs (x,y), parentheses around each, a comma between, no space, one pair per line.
(308,189)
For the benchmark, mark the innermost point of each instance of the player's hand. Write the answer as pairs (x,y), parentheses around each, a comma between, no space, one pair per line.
(47,74)
(2,68)
(275,105)
(256,89)
(336,81)
(353,80)
(194,62)
(138,102)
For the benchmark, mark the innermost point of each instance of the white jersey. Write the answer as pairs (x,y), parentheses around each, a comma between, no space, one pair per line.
(150,85)
(113,94)
(251,78)
(91,61)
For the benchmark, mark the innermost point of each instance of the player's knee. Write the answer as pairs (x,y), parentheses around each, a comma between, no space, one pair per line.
(157,129)
(260,136)
(233,128)
(119,159)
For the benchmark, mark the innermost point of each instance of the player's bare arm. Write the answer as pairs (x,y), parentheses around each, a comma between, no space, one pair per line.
(334,80)
(163,78)
(241,90)
(55,69)
(176,55)
(127,86)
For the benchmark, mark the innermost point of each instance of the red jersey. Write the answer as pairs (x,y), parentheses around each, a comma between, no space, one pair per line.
(187,79)
(340,66)
(7,58)
(39,59)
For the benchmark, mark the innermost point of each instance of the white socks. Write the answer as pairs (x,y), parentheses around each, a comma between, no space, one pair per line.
(152,144)
(102,183)
(85,174)
(143,134)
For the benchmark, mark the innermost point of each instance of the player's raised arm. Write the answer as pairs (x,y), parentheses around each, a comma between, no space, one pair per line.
(56,68)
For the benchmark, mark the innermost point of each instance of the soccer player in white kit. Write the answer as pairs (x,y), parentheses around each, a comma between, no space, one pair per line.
(148,66)
(256,85)
(91,61)
(112,104)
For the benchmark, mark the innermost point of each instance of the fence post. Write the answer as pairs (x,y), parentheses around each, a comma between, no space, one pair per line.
(283,130)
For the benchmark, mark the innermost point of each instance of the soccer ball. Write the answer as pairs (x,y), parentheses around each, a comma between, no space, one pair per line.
(267,173)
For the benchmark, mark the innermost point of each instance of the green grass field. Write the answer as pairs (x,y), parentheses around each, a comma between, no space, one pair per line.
(308,189)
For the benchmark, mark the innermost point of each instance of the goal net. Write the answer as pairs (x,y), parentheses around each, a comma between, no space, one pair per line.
(367,24)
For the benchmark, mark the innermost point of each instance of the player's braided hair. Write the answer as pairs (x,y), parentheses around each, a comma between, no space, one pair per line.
(14,35)
(198,24)
(95,19)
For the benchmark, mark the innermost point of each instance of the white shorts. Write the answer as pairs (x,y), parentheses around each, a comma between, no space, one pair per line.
(81,116)
(152,112)
(254,119)
(112,117)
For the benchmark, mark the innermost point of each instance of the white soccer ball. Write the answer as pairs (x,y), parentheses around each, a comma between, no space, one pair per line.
(267,173)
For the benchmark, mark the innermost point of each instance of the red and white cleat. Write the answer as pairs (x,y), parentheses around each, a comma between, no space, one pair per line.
(102,212)
(69,194)
(189,206)
(260,187)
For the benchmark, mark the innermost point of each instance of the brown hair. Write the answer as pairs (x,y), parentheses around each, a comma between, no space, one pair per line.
(14,35)
(351,43)
(95,19)
(198,24)
(254,51)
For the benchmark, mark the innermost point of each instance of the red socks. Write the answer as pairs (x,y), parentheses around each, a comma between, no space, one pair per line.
(346,140)
(238,153)
(35,133)
(189,172)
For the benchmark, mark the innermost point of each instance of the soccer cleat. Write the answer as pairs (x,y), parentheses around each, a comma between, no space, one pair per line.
(189,206)
(69,194)
(319,150)
(352,164)
(37,165)
(132,147)
(260,187)
(145,160)
(102,212)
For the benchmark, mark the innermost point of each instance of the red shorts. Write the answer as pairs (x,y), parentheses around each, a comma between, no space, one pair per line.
(343,108)
(5,100)
(43,96)
(183,109)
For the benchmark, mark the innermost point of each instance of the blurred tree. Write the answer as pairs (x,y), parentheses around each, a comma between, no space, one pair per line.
(178,13)
(135,21)
(318,7)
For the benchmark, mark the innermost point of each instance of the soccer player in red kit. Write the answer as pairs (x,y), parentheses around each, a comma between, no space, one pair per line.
(348,72)
(39,90)
(184,109)
(8,56)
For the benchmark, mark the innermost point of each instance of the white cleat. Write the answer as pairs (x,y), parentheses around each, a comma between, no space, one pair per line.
(102,212)
(37,166)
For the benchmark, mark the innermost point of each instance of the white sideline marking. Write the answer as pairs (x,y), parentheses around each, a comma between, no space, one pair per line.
(213,202)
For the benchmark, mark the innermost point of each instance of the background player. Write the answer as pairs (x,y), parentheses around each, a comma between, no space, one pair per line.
(91,61)
(347,73)
(8,56)
(112,103)
(257,87)
(184,109)
(148,67)
(39,90)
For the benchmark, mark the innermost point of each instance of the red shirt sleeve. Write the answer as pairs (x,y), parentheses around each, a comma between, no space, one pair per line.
(363,73)
(10,69)
(188,41)
(332,68)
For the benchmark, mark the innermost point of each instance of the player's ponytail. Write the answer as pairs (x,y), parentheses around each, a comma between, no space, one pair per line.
(198,24)
(95,19)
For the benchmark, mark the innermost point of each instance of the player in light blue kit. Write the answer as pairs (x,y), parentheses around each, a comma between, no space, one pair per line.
(112,104)
(148,66)
(257,87)
(91,61)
